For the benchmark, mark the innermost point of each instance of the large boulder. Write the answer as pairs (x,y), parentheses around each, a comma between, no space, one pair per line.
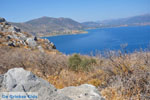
(19,80)
(83,92)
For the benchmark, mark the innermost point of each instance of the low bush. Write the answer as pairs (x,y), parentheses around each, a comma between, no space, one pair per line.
(77,62)
(74,62)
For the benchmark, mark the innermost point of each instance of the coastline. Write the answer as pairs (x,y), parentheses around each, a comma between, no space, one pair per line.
(82,32)
(116,26)
(86,30)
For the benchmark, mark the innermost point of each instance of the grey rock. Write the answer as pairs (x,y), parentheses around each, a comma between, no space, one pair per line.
(19,80)
(9,37)
(11,43)
(21,43)
(1,80)
(83,92)
(1,25)
(31,42)
(24,43)
(13,29)
(2,89)
(22,36)
(6,23)
(12,36)
(1,28)
(52,45)
(2,20)
(7,26)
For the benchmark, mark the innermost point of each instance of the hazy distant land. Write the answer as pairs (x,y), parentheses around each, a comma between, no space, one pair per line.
(48,26)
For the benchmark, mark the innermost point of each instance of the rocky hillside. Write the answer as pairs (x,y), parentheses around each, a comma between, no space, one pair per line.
(46,26)
(20,80)
(13,36)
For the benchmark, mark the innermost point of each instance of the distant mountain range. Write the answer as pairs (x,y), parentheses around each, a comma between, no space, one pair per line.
(48,26)
(131,21)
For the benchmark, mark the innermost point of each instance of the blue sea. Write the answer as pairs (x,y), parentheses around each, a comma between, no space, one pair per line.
(103,39)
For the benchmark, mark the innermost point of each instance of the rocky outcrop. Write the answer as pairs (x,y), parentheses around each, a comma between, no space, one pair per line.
(19,80)
(13,36)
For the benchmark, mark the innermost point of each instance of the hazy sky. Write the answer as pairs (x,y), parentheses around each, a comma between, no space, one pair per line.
(79,10)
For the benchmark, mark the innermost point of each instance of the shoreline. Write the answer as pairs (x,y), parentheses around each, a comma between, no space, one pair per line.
(86,30)
(83,32)
(115,27)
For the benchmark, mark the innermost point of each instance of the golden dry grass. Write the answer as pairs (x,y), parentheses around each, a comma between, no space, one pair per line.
(118,76)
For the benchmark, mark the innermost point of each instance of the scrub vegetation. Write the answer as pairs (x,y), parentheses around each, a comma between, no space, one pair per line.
(118,76)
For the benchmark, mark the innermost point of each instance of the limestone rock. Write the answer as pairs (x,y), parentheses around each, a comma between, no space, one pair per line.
(83,92)
(19,80)
(31,42)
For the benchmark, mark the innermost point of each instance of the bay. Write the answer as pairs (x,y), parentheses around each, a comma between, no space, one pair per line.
(103,39)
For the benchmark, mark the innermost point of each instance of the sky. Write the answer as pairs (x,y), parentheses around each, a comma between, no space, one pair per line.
(79,10)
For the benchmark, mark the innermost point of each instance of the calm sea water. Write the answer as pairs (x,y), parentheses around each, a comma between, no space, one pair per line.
(103,39)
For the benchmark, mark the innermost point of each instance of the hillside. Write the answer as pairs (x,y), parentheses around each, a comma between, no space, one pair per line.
(131,21)
(47,26)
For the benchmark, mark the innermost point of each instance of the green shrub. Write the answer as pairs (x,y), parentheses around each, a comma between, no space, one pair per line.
(76,62)
(93,61)
(86,63)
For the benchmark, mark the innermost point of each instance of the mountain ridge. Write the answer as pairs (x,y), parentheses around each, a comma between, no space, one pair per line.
(47,26)
(129,21)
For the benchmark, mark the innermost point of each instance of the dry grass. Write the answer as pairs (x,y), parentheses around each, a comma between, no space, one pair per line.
(118,76)
(45,63)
